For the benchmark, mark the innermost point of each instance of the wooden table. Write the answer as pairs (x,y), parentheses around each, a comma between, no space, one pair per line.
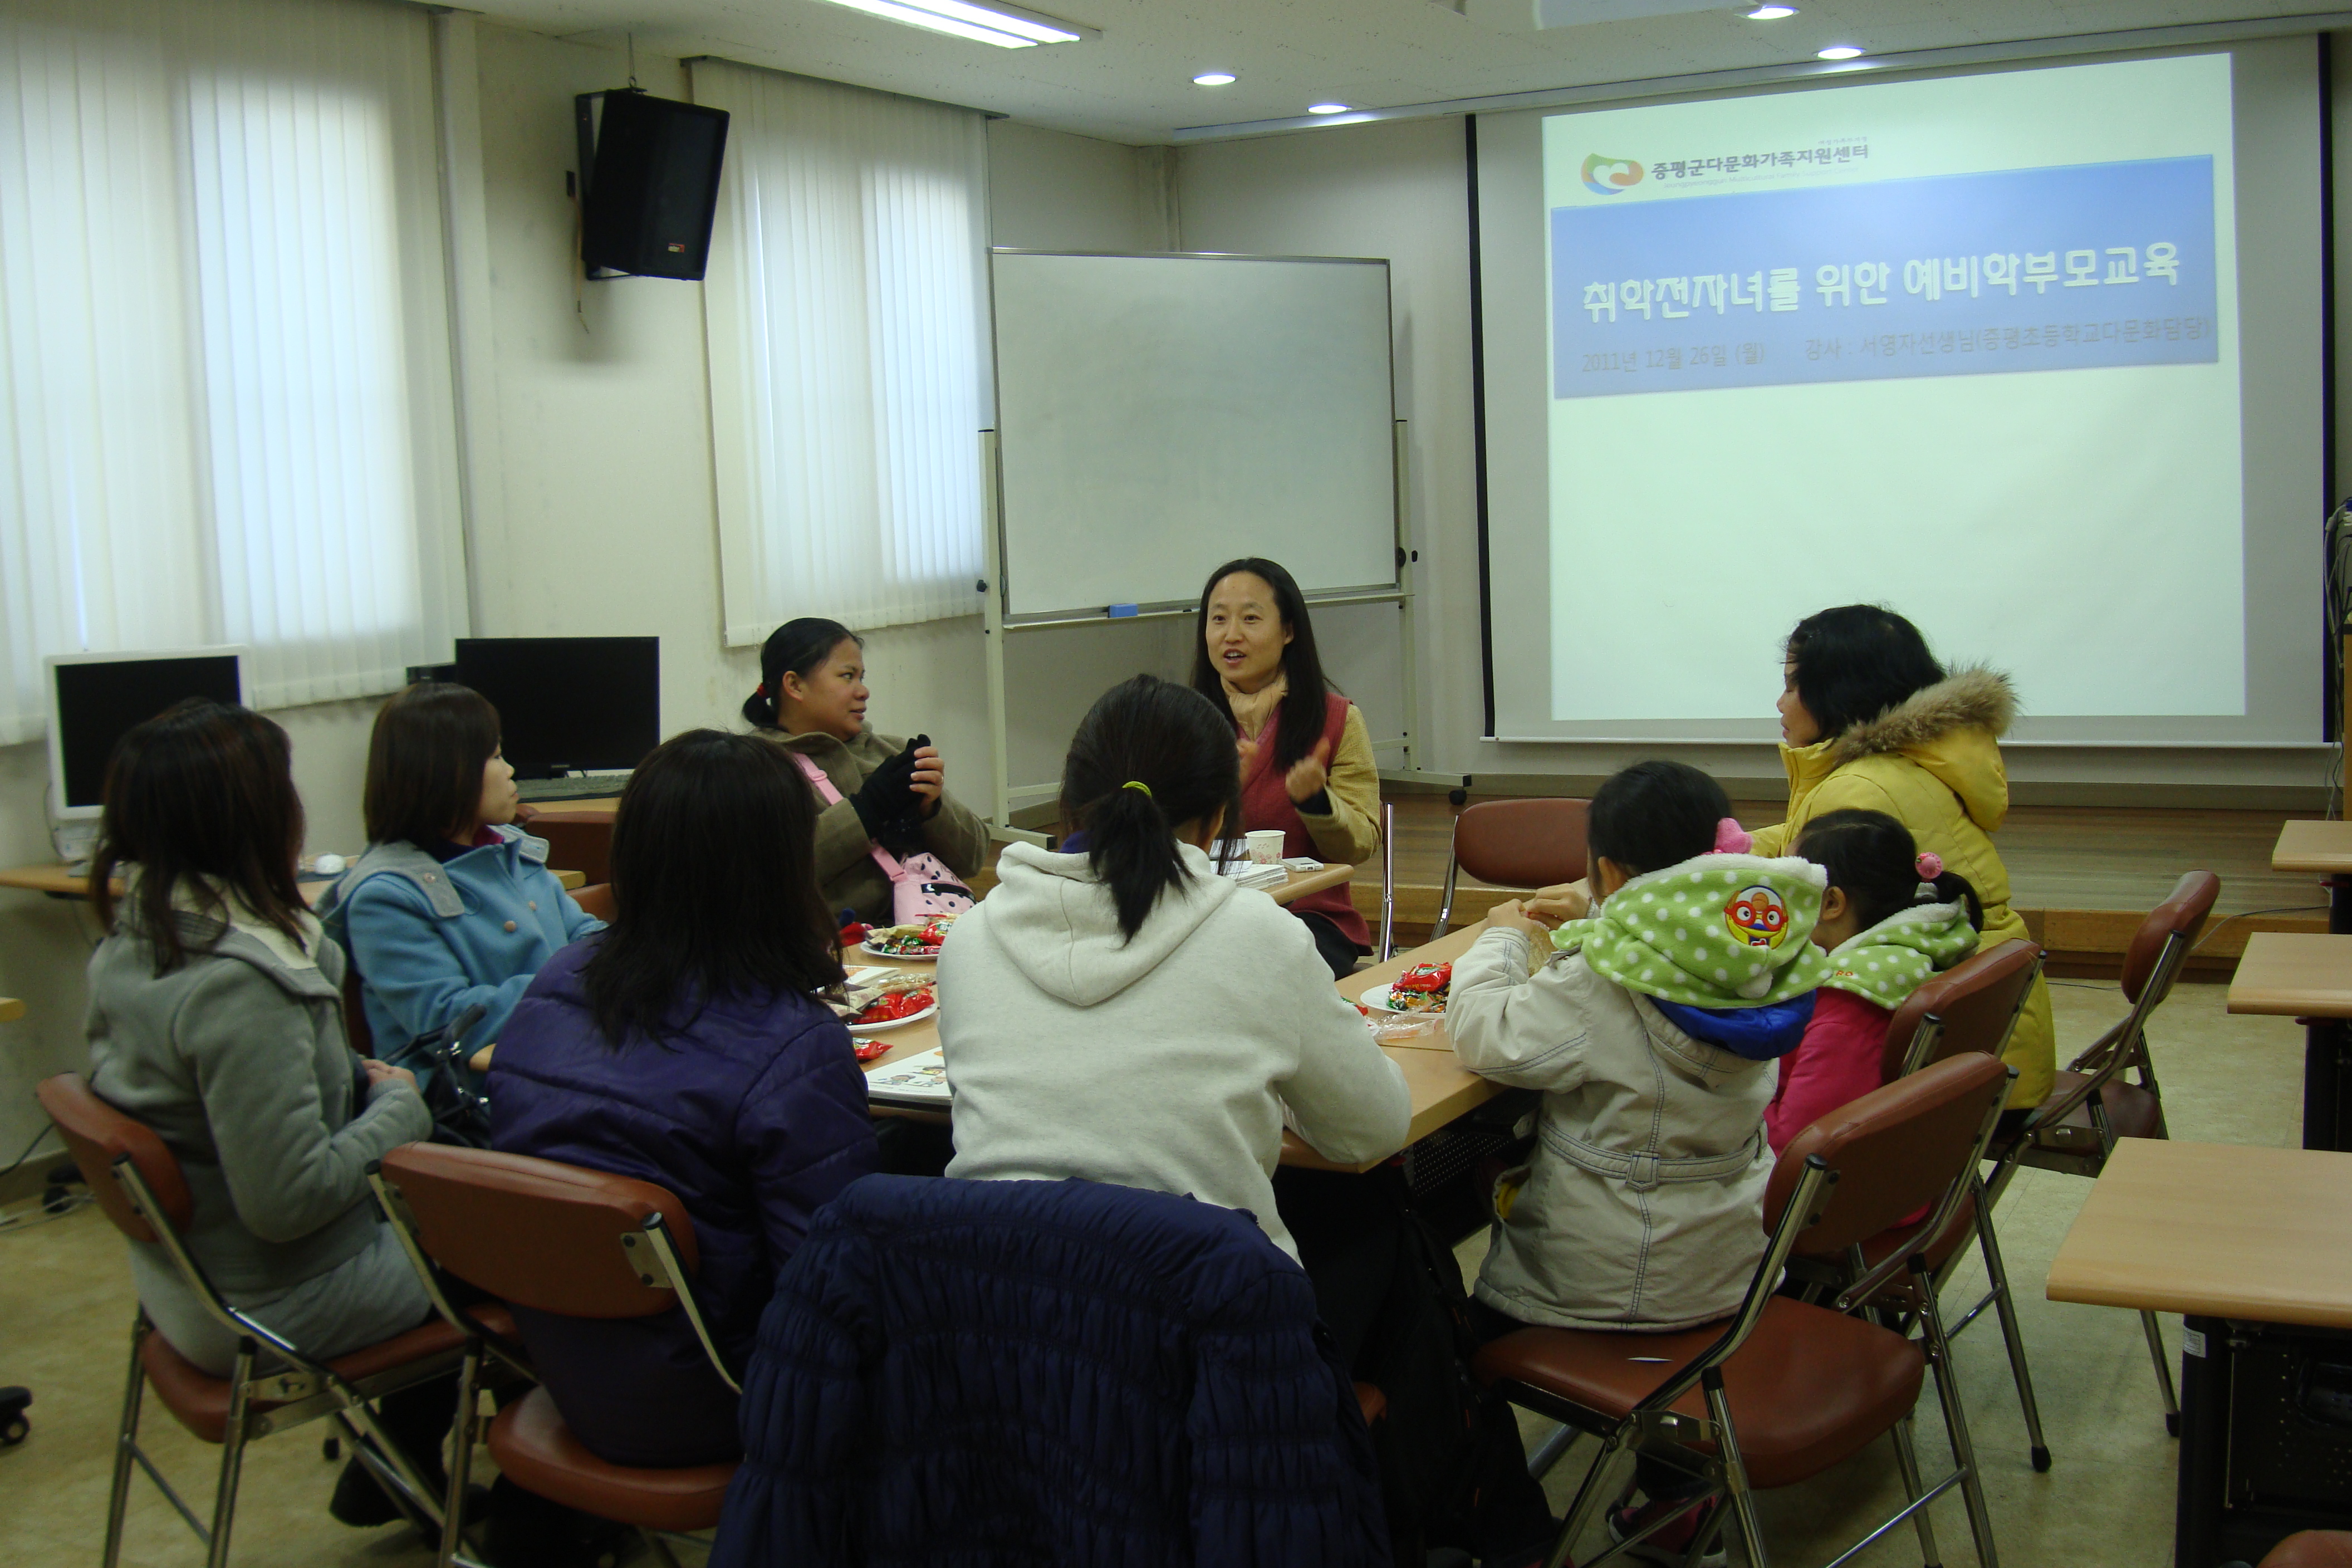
(60,883)
(2235,1239)
(1443,1090)
(2325,850)
(2309,978)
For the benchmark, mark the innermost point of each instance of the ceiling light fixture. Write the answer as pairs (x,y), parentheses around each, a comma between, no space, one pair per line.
(1327,108)
(1771,13)
(1839,52)
(1212,79)
(1005,27)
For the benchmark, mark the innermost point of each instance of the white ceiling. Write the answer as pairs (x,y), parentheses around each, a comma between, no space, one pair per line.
(1134,83)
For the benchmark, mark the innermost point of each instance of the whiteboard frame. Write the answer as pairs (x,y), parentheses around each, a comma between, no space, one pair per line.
(1000,587)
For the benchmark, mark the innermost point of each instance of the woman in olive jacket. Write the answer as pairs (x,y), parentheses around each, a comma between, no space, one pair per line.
(893,794)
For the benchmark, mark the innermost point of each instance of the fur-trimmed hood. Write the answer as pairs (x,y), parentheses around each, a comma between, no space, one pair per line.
(1951,731)
(1974,697)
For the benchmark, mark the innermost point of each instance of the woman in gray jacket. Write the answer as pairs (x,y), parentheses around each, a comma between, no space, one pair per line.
(217,1019)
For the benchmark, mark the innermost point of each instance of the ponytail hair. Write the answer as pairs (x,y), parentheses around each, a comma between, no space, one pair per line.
(1872,857)
(801,646)
(1150,756)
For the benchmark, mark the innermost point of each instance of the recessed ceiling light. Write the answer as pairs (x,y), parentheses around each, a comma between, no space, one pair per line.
(1771,13)
(1007,28)
(1839,52)
(1327,108)
(1212,79)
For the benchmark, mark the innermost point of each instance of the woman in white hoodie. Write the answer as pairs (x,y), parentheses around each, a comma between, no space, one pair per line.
(1126,1015)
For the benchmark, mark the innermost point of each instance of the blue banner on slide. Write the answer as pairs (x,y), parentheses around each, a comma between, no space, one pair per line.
(2025,270)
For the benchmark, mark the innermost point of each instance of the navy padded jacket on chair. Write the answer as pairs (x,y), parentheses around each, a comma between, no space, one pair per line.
(985,1374)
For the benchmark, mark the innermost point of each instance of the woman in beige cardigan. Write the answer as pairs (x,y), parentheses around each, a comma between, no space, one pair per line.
(812,700)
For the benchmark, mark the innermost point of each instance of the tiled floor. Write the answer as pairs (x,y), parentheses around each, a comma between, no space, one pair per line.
(65,1308)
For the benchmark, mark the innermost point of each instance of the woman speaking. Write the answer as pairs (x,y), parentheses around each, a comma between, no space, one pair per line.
(1307,757)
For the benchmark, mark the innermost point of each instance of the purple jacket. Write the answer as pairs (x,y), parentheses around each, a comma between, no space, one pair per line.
(755,1117)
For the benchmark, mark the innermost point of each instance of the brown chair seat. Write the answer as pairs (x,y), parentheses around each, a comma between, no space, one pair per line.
(539,1453)
(2132,1111)
(199,1401)
(1898,1238)
(1809,1388)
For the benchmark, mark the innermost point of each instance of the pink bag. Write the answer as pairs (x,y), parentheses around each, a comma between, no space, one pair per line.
(922,885)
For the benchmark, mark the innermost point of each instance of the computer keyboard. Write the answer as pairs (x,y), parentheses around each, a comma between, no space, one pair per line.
(579,786)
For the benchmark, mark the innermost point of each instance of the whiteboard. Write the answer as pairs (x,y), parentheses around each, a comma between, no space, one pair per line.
(1160,414)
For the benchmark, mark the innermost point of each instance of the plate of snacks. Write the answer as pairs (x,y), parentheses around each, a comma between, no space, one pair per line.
(875,1000)
(1421,989)
(918,940)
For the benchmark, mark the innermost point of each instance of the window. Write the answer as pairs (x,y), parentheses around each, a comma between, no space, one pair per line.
(225,404)
(848,367)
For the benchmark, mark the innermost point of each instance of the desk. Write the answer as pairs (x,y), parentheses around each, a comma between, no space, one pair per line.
(1441,1090)
(2289,974)
(2202,1229)
(2324,849)
(60,883)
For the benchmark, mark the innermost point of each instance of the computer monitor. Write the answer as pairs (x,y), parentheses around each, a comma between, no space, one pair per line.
(95,697)
(568,704)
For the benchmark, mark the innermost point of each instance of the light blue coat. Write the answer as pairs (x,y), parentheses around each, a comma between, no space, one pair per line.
(432,939)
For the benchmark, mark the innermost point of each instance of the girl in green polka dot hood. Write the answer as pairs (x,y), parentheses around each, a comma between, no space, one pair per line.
(1655,1029)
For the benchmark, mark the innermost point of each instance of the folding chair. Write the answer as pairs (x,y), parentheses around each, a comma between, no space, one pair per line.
(1514,843)
(139,1183)
(2091,1105)
(1783,1389)
(1972,1006)
(556,1239)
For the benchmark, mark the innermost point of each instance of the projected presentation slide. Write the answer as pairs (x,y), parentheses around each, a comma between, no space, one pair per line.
(1965,346)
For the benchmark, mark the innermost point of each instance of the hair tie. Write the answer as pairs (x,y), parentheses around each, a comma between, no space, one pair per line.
(762,690)
(1138,783)
(1929,866)
(1731,838)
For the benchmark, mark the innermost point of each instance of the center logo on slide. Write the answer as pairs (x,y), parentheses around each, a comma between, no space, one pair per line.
(1610,176)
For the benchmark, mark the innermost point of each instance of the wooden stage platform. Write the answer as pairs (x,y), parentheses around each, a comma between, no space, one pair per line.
(2082,876)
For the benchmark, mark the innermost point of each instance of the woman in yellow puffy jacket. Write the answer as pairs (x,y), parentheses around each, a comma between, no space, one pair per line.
(1870,721)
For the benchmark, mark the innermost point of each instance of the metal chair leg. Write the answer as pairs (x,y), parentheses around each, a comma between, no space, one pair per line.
(126,1442)
(1588,1495)
(1955,1417)
(1906,1460)
(1735,1470)
(461,1453)
(232,1455)
(2005,1308)
(2163,1372)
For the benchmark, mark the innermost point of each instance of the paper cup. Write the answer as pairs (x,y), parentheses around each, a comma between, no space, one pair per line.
(1265,845)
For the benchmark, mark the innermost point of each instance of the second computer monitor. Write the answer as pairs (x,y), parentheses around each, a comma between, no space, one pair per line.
(576,703)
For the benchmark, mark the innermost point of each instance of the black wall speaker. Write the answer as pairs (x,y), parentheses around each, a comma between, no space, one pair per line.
(649,183)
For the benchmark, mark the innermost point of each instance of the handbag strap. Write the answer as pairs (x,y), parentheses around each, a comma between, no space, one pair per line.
(823,784)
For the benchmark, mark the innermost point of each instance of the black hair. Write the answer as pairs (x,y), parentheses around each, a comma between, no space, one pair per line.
(1855,662)
(200,796)
(801,646)
(425,764)
(1654,814)
(1302,715)
(1170,740)
(1873,858)
(714,888)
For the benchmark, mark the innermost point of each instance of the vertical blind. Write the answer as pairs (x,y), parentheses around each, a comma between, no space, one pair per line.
(225,404)
(848,365)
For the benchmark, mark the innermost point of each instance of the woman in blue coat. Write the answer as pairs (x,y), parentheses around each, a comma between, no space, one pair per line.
(684,1045)
(452,906)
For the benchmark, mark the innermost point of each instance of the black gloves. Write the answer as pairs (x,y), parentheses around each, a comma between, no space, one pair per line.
(886,805)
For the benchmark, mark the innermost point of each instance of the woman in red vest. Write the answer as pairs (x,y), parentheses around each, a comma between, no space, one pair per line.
(1307,758)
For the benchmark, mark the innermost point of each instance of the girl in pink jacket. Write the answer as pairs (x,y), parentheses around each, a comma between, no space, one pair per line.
(1890,917)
